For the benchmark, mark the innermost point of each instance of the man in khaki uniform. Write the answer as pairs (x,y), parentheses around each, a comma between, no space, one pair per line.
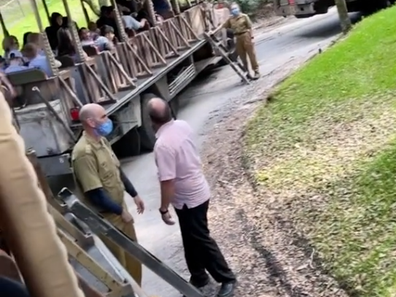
(99,176)
(241,24)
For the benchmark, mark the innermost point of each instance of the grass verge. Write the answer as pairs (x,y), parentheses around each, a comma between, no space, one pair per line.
(325,150)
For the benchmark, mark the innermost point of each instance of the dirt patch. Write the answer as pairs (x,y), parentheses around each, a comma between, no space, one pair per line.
(268,256)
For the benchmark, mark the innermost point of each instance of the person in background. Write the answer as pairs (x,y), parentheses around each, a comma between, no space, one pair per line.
(16,62)
(107,17)
(94,32)
(56,21)
(241,24)
(85,37)
(132,24)
(105,41)
(25,36)
(162,8)
(31,53)
(37,40)
(10,43)
(66,47)
(184,185)
(102,182)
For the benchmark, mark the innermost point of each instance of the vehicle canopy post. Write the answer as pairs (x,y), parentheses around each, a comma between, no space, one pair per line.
(151,12)
(86,15)
(74,34)
(3,26)
(47,48)
(119,22)
(46,11)
(175,6)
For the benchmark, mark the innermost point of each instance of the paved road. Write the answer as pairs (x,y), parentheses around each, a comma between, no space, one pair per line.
(202,106)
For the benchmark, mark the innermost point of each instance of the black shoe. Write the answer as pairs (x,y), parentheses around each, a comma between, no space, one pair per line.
(226,289)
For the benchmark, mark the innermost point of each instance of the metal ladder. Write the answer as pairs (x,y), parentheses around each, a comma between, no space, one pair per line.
(219,48)
(99,226)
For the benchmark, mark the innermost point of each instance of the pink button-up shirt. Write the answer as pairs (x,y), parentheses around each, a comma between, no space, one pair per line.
(177,159)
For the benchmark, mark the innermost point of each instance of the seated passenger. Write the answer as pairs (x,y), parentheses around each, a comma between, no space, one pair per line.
(37,40)
(36,60)
(10,43)
(66,47)
(15,62)
(105,41)
(132,24)
(25,37)
(85,37)
(65,23)
(107,17)
(163,8)
(93,30)
(56,22)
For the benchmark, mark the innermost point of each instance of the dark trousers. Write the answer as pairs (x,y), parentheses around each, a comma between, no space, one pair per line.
(201,251)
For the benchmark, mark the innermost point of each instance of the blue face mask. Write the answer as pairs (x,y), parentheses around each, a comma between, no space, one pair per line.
(105,128)
(235,11)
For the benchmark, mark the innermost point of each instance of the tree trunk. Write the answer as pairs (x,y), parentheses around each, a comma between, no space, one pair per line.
(346,24)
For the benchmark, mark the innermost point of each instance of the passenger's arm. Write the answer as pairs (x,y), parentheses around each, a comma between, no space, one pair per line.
(86,171)
(129,188)
(166,163)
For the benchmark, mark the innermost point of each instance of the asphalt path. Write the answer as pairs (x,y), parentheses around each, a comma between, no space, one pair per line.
(202,104)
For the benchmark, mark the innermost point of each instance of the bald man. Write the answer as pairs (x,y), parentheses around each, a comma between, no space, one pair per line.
(185,187)
(99,176)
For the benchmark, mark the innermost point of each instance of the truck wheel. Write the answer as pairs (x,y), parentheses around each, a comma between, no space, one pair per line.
(146,132)
(175,105)
(128,145)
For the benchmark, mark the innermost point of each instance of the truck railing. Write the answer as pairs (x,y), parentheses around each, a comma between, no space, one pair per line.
(103,76)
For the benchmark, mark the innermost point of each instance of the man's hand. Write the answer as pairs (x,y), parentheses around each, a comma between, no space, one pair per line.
(126,216)
(167,218)
(139,204)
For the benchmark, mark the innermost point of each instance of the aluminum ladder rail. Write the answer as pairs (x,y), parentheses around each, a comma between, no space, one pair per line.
(99,226)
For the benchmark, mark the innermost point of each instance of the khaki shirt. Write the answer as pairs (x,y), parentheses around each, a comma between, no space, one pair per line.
(240,24)
(96,166)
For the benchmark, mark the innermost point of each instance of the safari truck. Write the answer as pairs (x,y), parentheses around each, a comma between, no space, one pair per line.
(308,8)
(160,61)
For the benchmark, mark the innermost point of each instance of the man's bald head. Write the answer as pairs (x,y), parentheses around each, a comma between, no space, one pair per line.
(91,111)
(159,111)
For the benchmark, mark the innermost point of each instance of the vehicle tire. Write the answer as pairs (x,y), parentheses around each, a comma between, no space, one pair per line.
(146,132)
(129,145)
(175,105)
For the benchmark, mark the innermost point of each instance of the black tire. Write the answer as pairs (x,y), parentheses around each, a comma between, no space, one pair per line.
(129,145)
(175,106)
(146,132)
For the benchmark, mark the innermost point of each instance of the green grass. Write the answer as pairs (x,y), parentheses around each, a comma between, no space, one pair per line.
(325,148)
(28,21)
